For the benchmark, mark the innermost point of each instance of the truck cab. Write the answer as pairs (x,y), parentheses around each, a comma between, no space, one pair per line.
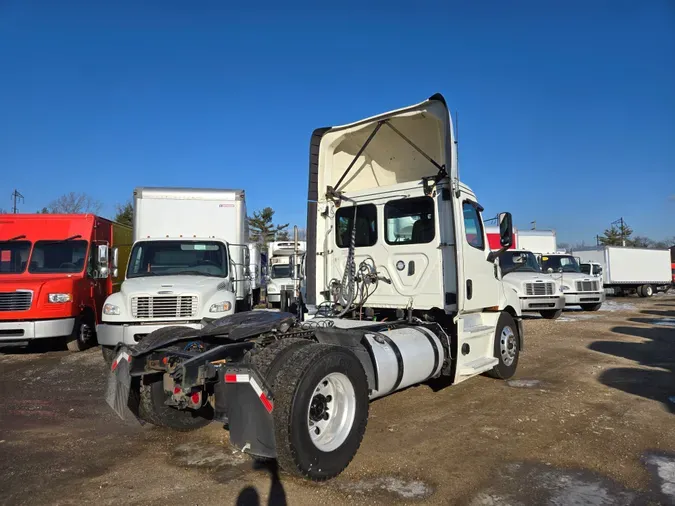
(280,281)
(591,268)
(55,274)
(580,289)
(537,291)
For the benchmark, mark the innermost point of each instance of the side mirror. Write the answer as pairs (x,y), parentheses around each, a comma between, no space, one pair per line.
(549,270)
(115,259)
(102,257)
(505,230)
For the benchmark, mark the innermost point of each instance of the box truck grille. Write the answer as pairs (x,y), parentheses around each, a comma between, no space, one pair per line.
(587,286)
(183,306)
(287,287)
(539,288)
(16,301)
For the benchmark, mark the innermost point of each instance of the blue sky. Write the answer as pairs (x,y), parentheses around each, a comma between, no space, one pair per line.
(566,109)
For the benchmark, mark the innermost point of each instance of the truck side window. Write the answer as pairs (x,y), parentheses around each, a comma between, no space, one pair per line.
(473,225)
(409,221)
(366,226)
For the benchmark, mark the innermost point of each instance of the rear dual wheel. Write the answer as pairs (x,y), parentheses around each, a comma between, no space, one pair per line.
(321,406)
(645,290)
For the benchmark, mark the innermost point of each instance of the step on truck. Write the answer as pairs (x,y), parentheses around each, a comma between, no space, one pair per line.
(189,261)
(56,271)
(388,306)
(623,270)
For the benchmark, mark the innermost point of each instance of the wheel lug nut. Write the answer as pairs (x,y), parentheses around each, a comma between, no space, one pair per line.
(325,416)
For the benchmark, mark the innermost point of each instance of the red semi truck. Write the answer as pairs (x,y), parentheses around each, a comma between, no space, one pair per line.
(56,271)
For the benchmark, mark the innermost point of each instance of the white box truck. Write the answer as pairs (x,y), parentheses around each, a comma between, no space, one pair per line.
(189,261)
(538,241)
(280,282)
(628,270)
(384,310)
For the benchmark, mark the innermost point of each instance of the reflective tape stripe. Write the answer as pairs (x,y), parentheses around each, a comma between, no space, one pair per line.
(247,378)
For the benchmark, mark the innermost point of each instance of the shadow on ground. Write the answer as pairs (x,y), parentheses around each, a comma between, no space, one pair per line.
(657,351)
(277,497)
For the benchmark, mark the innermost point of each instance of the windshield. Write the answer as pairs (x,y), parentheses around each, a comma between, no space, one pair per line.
(58,257)
(281,271)
(508,265)
(14,256)
(171,258)
(561,263)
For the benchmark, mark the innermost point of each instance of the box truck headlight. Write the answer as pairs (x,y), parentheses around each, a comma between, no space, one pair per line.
(220,307)
(57,298)
(111,309)
(564,288)
(272,289)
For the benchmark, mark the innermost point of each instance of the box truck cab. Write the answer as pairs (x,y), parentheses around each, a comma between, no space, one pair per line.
(386,308)
(537,291)
(55,274)
(189,261)
(580,289)
(280,281)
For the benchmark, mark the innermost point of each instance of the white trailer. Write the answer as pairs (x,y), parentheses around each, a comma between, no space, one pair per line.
(538,241)
(189,261)
(628,270)
(386,308)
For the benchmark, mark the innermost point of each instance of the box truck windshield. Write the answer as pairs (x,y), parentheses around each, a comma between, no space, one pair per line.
(281,271)
(172,258)
(508,265)
(51,257)
(559,263)
(14,256)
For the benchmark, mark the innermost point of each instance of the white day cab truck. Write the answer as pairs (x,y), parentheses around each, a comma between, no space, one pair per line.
(623,270)
(280,279)
(189,261)
(383,311)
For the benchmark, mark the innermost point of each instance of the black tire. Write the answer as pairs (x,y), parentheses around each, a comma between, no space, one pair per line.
(591,307)
(151,408)
(551,314)
(647,290)
(638,290)
(504,370)
(108,353)
(84,333)
(296,452)
(270,359)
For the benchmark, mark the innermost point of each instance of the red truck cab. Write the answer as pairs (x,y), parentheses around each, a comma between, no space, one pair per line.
(55,274)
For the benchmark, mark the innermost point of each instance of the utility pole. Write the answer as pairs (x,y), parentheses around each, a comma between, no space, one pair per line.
(16,196)
(622,229)
(597,240)
(534,224)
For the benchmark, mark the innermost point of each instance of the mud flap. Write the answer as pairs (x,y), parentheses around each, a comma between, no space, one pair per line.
(118,390)
(248,405)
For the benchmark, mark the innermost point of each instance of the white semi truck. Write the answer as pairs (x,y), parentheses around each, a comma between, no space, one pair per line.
(627,270)
(189,261)
(257,271)
(280,282)
(383,311)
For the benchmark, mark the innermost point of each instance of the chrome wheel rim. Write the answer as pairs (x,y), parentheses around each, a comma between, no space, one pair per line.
(508,346)
(331,412)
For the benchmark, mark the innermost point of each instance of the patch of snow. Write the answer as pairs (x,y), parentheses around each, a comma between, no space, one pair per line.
(612,305)
(669,322)
(204,455)
(523,383)
(405,489)
(665,470)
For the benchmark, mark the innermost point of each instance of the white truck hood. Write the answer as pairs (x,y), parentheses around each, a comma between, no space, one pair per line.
(173,285)
(517,280)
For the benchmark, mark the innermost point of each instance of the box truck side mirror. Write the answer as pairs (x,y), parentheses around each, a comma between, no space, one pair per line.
(505,235)
(102,269)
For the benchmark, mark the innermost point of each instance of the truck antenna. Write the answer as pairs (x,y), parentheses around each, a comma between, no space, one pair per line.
(16,196)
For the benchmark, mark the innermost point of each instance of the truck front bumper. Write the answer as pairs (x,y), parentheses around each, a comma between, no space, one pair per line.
(274,297)
(576,298)
(541,303)
(132,333)
(38,329)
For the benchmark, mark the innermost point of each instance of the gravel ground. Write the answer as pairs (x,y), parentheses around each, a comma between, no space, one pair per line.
(587,420)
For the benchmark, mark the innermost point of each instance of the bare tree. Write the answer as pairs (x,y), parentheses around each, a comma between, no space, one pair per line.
(73,203)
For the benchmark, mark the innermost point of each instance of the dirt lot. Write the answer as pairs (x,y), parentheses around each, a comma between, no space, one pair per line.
(589,420)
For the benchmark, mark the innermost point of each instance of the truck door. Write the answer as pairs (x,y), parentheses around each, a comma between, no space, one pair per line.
(100,287)
(480,286)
